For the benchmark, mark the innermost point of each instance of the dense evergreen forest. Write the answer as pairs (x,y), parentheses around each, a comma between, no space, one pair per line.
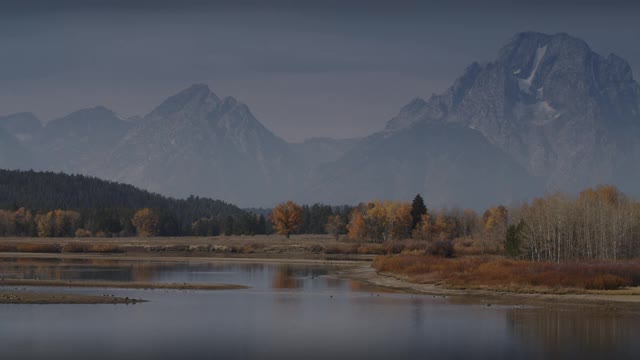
(56,204)
(105,207)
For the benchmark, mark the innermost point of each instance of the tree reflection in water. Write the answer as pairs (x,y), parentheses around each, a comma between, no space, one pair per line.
(562,332)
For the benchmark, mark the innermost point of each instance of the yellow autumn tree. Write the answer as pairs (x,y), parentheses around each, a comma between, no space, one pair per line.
(58,223)
(357,227)
(402,221)
(378,221)
(286,218)
(146,222)
(424,228)
(442,227)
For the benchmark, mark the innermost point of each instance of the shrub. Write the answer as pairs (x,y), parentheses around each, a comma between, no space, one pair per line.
(372,249)
(105,248)
(393,247)
(75,248)
(81,233)
(442,248)
(341,249)
(501,273)
(8,248)
(607,282)
(39,248)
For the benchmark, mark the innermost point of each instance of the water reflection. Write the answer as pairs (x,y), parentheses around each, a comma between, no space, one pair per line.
(275,276)
(285,279)
(596,332)
(291,311)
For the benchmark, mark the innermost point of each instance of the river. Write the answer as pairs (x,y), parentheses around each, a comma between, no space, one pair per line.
(290,311)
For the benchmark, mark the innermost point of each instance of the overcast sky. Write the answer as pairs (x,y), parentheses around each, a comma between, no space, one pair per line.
(305,68)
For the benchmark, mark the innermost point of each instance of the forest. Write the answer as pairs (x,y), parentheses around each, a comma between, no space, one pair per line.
(600,223)
(50,204)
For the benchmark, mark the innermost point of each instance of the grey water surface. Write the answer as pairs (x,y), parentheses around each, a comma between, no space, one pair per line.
(289,312)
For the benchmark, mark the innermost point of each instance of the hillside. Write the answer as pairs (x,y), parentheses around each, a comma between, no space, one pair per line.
(93,198)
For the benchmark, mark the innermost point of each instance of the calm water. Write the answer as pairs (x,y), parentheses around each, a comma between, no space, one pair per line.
(290,312)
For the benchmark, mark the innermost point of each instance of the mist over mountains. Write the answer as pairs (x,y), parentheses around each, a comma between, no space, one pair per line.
(547,114)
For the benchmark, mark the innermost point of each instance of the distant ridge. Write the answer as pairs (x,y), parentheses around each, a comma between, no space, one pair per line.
(546,114)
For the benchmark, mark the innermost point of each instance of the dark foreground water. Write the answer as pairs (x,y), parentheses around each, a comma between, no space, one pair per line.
(291,312)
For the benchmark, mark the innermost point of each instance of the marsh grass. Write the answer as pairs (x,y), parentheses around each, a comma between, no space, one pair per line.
(501,273)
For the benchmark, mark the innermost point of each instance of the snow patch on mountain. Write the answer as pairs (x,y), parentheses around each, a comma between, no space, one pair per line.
(525,84)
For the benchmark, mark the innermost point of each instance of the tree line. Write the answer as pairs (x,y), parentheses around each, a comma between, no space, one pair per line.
(56,204)
(60,205)
(600,223)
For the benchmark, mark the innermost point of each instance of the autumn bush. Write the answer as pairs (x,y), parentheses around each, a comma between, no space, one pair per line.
(8,248)
(443,248)
(341,249)
(39,248)
(75,248)
(504,273)
(83,233)
(374,249)
(105,248)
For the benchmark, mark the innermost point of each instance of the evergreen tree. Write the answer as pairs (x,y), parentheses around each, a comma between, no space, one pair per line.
(513,240)
(418,208)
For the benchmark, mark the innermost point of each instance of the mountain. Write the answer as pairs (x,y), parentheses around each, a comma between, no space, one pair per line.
(450,164)
(76,142)
(315,151)
(196,143)
(24,126)
(13,155)
(547,114)
(560,110)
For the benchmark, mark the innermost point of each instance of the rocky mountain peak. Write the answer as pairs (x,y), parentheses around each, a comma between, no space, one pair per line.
(561,110)
(197,98)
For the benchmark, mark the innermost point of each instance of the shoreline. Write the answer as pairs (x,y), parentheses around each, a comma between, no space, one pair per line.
(359,270)
(495,296)
(35,298)
(182,258)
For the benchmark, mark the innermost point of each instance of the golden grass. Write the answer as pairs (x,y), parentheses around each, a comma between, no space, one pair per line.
(501,273)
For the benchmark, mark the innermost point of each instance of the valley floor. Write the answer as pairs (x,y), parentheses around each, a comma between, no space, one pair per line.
(278,249)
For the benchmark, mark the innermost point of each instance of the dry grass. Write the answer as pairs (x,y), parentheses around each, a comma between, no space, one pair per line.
(500,273)
(38,248)
(317,246)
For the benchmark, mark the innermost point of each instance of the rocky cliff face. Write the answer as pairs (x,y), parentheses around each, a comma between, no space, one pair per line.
(562,111)
(197,143)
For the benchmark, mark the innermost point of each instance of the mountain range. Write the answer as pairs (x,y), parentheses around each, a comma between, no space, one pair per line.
(547,114)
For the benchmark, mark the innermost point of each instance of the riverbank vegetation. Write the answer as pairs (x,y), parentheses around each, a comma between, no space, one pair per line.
(511,275)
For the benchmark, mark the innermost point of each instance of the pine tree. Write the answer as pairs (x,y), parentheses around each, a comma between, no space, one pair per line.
(418,208)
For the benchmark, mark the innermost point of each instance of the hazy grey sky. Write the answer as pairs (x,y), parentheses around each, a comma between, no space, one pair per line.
(305,68)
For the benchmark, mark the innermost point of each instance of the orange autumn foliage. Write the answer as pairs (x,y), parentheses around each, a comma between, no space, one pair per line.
(286,218)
